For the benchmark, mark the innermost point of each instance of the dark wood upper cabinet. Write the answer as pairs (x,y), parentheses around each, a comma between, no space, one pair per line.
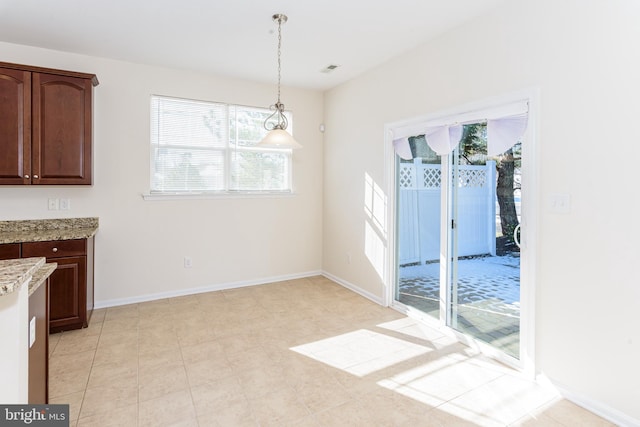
(61,135)
(15,126)
(45,126)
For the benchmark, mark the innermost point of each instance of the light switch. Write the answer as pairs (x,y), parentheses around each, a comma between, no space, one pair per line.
(53,204)
(560,203)
(188,262)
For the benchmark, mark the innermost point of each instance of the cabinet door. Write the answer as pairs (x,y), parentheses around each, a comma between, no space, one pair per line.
(61,137)
(15,126)
(67,294)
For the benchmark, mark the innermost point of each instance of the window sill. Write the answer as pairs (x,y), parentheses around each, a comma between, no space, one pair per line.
(212,196)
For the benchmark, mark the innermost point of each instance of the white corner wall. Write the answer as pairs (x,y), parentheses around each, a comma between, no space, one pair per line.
(14,353)
(583,57)
(141,244)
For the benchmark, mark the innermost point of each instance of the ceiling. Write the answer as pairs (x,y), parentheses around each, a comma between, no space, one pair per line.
(238,37)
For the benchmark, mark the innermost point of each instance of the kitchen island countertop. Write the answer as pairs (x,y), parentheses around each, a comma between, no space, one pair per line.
(16,272)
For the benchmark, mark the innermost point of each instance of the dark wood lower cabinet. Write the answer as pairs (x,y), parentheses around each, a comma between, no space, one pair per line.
(39,351)
(68,293)
(71,287)
(10,251)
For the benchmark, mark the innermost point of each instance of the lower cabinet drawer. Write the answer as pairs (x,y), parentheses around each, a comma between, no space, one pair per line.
(55,249)
(10,251)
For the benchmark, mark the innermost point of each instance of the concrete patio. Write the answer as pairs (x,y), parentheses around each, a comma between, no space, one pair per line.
(488,297)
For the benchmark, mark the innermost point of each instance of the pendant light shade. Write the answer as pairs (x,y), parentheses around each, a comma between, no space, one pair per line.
(279,138)
(277,123)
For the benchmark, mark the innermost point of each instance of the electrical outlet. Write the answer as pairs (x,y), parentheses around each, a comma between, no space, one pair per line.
(65,204)
(188,262)
(32,331)
(53,204)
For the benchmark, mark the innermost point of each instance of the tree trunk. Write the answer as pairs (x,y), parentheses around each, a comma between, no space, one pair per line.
(504,191)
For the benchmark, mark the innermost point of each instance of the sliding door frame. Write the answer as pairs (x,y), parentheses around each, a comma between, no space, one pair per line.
(529,219)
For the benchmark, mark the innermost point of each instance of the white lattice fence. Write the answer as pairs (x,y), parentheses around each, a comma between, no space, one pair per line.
(419,211)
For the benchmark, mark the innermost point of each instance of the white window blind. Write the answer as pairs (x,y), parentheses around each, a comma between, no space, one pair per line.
(202,147)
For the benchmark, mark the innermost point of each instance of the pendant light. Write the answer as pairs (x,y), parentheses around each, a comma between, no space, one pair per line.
(277,123)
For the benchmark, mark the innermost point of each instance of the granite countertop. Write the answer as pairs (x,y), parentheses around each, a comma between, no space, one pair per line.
(42,230)
(15,272)
(41,275)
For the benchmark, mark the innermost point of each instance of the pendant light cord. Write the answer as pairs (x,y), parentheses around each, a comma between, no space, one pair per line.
(278,107)
(279,54)
(276,124)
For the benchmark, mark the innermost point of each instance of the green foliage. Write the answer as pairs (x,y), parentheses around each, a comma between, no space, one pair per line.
(473,145)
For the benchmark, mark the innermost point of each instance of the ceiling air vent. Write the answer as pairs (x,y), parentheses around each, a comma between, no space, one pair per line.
(329,68)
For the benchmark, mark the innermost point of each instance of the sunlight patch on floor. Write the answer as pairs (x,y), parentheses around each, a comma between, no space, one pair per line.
(423,364)
(361,352)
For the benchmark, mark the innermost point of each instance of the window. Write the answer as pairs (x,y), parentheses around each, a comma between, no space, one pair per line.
(207,147)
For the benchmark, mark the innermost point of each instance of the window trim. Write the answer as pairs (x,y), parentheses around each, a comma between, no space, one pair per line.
(217,195)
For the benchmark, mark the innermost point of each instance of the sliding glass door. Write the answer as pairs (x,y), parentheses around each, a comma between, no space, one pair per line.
(458,225)
(484,282)
(419,190)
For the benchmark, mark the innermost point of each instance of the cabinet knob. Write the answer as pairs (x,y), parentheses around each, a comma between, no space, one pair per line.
(55,249)
(35,176)
(27,176)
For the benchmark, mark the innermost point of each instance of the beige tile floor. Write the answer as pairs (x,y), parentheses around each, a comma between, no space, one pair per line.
(304,352)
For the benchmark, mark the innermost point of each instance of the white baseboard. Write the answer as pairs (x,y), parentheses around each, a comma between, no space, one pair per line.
(354,288)
(608,413)
(202,289)
(233,285)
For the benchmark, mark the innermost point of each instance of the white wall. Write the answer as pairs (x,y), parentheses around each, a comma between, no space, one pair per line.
(14,369)
(141,244)
(584,58)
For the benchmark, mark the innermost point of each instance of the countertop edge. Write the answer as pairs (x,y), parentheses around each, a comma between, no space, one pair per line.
(41,276)
(47,235)
(43,230)
(15,273)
